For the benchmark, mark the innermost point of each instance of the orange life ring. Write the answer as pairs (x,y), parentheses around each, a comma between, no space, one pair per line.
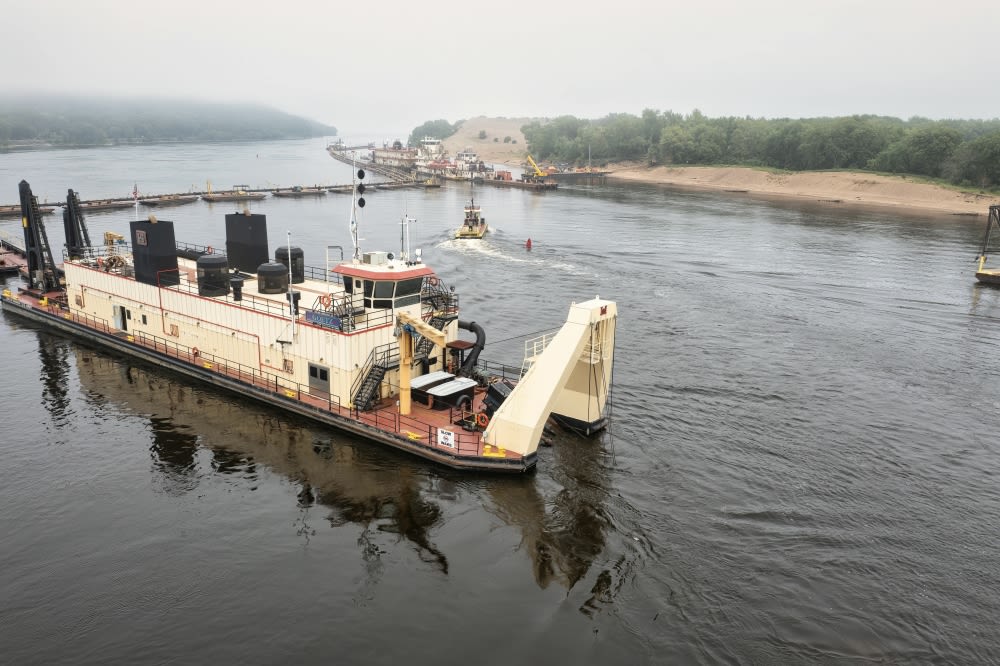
(325,300)
(100,262)
(433,281)
(209,250)
(194,351)
(482,420)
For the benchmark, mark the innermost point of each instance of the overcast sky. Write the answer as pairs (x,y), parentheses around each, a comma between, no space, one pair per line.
(391,64)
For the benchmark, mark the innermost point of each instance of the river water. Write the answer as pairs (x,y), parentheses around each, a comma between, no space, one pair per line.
(802,466)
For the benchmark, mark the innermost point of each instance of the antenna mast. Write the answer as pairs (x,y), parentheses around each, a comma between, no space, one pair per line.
(404,238)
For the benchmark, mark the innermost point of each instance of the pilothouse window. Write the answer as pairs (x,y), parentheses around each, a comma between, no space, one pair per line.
(383,294)
(409,287)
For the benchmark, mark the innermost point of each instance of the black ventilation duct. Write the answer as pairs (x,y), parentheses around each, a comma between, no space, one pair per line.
(272,278)
(154,252)
(213,275)
(246,240)
(296,258)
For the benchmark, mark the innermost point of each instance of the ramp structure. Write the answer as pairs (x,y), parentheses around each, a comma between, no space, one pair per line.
(569,378)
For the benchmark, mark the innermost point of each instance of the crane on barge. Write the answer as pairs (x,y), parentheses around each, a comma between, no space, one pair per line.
(75,226)
(537,176)
(43,274)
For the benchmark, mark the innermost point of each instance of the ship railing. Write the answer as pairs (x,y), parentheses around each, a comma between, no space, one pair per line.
(533,348)
(259,379)
(10,241)
(186,283)
(90,254)
(385,356)
(425,435)
(456,440)
(592,352)
(428,435)
(438,298)
(493,371)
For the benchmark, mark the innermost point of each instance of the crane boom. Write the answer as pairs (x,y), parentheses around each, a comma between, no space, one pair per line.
(409,327)
(538,171)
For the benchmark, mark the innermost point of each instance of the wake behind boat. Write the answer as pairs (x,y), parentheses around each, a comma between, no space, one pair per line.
(370,345)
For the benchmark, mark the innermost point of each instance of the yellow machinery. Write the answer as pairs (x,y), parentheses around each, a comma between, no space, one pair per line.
(409,327)
(111,241)
(538,172)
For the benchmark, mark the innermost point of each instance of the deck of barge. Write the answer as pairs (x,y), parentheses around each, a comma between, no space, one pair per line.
(417,432)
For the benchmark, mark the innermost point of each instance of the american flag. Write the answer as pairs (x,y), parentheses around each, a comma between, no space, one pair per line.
(135,191)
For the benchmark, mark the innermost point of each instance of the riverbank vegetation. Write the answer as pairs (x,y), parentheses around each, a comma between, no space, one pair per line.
(61,121)
(961,152)
(435,129)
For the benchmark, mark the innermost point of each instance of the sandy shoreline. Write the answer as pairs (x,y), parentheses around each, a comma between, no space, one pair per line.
(833,188)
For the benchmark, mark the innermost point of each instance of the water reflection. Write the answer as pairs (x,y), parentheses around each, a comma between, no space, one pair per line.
(197,433)
(234,438)
(563,534)
(54,355)
(174,453)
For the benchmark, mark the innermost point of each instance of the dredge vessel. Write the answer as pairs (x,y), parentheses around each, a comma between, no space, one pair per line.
(369,345)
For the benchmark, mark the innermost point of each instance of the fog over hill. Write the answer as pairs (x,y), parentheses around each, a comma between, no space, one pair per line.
(64,120)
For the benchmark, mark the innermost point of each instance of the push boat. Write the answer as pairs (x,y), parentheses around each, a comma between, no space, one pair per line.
(474,225)
(989,274)
(369,345)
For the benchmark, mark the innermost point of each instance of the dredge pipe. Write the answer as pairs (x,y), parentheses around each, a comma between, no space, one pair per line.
(470,360)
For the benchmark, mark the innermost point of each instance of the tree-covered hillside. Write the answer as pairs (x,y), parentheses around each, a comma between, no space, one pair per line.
(79,121)
(436,129)
(964,152)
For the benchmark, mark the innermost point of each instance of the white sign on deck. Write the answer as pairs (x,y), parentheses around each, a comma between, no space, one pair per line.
(446,438)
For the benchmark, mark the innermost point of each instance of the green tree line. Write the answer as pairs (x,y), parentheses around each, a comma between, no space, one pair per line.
(435,129)
(70,121)
(962,152)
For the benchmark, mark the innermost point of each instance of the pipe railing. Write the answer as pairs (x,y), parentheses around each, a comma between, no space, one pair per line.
(417,432)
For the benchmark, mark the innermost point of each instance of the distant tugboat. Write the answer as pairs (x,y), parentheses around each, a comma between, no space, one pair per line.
(474,225)
(986,274)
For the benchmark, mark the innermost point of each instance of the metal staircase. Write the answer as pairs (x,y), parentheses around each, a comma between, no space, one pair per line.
(424,346)
(437,299)
(366,387)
